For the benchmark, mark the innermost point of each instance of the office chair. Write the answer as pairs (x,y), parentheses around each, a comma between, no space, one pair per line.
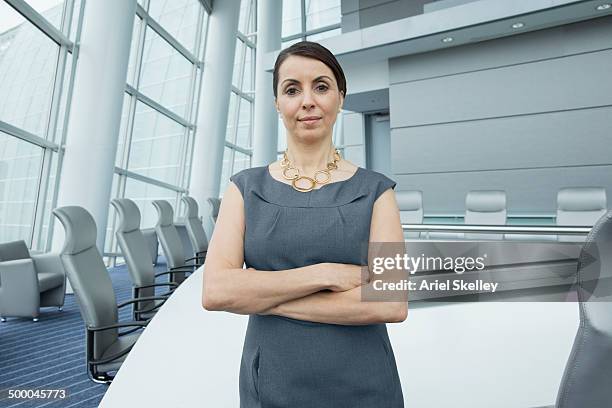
(29,282)
(485,207)
(151,237)
(195,229)
(106,346)
(171,242)
(580,206)
(188,249)
(135,250)
(410,204)
(586,380)
(215,205)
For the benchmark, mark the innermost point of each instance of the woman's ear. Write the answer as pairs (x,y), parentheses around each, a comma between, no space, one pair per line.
(276,105)
(341,101)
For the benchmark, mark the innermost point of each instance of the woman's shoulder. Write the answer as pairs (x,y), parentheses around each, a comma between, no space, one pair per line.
(251,176)
(377,182)
(373,175)
(249,173)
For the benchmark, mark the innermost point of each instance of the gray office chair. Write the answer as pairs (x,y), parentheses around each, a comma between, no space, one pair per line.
(410,204)
(485,207)
(215,205)
(171,242)
(188,250)
(580,206)
(586,380)
(195,229)
(151,237)
(28,283)
(106,347)
(136,252)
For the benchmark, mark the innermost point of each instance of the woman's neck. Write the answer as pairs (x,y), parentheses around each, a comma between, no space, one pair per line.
(308,158)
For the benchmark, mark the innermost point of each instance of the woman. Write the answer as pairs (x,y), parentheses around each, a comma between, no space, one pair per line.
(299,225)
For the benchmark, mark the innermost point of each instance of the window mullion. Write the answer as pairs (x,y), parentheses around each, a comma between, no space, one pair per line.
(40,22)
(303,15)
(60,160)
(41,194)
(56,96)
(185,145)
(133,100)
(142,36)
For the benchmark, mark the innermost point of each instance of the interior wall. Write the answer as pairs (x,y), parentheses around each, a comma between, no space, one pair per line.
(528,114)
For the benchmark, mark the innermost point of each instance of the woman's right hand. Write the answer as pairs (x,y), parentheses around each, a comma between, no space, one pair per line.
(342,277)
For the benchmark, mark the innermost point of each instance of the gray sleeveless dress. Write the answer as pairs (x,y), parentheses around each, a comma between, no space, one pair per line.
(292,363)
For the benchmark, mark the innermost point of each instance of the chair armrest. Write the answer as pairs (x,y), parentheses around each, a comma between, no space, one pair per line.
(164,273)
(195,261)
(186,269)
(116,326)
(18,274)
(111,357)
(138,300)
(146,298)
(171,284)
(48,262)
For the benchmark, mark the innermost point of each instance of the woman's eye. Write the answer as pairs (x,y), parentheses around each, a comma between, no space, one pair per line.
(291,91)
(321,88)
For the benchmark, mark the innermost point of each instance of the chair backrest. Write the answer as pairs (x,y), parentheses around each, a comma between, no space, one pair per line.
(188,249)
(580,206)
(586,380)
(151,237)
(13,251)
(410,204)
(194,226)
(133,244)
(215,204)
(168,235)
(87,274)
(485,207)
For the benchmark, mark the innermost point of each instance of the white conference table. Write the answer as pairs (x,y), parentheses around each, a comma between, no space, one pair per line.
(461,354)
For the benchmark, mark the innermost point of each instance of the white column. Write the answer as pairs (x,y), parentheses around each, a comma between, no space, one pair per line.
(95,115)
(265,136)
(214,104)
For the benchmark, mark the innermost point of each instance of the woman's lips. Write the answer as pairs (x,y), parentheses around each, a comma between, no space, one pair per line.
(310,121)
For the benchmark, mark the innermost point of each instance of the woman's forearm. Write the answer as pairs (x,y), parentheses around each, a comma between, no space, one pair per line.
(341,308)
(249,291)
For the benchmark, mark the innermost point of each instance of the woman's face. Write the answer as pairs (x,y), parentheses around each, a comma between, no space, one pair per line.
(308,98)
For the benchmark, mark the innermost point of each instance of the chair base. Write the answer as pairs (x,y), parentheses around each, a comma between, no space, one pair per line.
(99,378)
(102,379)
(3,319)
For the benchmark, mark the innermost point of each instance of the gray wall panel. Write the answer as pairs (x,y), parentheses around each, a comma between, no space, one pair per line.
(387,11)
(566,40)
(528,114)
(354,132)
(350,22)
(531,191)
(367,13)
(558,84)
(349,6)
(580,137)
(442,4)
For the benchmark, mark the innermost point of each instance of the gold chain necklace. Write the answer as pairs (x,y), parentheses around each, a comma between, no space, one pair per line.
(292,173)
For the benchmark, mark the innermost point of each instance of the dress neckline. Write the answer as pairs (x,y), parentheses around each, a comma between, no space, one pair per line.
(269,175)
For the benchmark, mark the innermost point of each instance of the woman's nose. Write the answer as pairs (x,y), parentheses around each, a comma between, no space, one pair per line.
(307,101)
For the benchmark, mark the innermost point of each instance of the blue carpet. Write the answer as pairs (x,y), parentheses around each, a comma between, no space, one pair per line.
(50,353)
